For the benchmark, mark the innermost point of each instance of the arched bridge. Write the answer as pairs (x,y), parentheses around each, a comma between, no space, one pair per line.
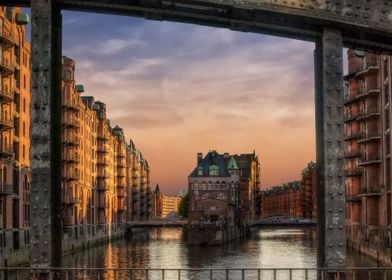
(156,223)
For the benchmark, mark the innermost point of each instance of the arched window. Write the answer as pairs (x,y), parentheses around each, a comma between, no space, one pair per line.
(205,196)
(26,183)
(221,196)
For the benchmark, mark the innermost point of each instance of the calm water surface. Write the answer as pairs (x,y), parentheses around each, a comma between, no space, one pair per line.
(166,248)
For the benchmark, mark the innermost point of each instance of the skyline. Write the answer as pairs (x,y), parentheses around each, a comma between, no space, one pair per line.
(252,96)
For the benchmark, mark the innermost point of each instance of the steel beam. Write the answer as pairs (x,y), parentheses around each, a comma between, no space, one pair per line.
(329,139)
(45,135)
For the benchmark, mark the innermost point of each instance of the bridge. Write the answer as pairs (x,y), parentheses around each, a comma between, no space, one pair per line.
(283,221)
(156,223)
(331,24)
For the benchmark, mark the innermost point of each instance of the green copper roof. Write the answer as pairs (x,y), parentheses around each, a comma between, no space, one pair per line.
(22,18)
(359,53)
(232,164)
(79,88)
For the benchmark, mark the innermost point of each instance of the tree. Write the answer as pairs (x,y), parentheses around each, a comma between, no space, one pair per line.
(183,206)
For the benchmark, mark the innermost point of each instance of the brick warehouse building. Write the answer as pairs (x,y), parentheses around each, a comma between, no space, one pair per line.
(106,180)
(15,137)
(368,152)
(295,199)
(222,182)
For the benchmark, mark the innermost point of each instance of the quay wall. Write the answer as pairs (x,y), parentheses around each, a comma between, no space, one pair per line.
(93,236)
(371,241)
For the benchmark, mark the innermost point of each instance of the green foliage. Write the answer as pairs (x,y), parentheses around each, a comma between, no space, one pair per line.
(183,206)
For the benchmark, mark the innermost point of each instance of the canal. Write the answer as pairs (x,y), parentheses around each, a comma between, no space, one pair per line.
(166,248)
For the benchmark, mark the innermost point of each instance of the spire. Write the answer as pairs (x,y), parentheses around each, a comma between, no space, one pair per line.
(232,164)
(157,188)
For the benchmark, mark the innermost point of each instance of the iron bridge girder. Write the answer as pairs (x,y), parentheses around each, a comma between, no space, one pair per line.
(364,24)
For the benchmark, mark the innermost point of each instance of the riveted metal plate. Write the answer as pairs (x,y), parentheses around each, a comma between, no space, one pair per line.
(44,169)
(329,99)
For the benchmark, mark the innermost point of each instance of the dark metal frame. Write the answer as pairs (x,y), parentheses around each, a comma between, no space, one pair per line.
(332,24)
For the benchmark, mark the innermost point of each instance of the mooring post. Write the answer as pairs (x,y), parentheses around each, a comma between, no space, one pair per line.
(46,230)
(330,146)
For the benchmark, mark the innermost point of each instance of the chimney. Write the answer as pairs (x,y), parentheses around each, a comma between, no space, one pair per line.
(199,158)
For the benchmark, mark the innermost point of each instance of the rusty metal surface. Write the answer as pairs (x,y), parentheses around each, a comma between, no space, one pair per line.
(329,139)
(45,170)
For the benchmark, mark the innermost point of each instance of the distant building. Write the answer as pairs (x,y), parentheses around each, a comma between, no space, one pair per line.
(157,198)
(284,200)
(223,188)
(295,199)
(170,205)
(309,192)
(105,179)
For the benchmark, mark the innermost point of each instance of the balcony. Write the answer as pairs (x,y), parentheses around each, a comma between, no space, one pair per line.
(368,136)
(103,148)
(71,140)
(370,191)
(369,91)
(349,99)
(102,137)
(352,154)
(369,160)
(353,172)
(369,113)
(121,162)
(70,157)
(6,97)
(70,105)
(102,173)
(351,117)
(368,66)
(71,176)
(102,161)
(6,189)
(352,135)
(71,122)
(6,39)
(6,123)
(6,151)
(69,198)
(103,185)
(353,198)
(121,172)
(6,68)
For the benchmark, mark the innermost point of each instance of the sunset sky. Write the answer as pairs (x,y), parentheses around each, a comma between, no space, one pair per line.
(178,89)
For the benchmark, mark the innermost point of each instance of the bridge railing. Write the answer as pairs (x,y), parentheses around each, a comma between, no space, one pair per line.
(369,273)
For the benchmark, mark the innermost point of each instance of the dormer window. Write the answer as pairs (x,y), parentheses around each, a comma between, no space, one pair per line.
(213,170)
(200,171)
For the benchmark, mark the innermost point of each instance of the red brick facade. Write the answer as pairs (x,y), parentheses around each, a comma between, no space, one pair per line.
(295,199)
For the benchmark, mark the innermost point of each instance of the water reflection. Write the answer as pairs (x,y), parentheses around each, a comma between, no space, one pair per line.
(166,248)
